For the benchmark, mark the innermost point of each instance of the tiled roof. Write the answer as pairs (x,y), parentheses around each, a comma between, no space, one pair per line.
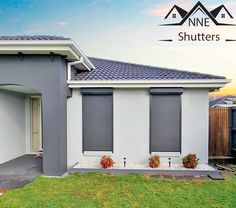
(222,100)
(114,70)
(33,37)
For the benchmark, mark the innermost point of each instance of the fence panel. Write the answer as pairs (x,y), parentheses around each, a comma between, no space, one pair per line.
(219,131)
(233,131)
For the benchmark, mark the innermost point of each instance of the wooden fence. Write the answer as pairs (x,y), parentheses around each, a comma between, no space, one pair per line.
(219,131)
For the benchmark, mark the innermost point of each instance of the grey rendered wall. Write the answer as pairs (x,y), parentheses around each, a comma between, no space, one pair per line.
(195,123)
(47,75)
(12,128)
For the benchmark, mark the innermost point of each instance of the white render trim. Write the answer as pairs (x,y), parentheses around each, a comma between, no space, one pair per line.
(167,154)
(208,83)
(62,47)
(97,153)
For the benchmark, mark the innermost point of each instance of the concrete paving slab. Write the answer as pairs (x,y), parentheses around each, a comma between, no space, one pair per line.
(19,172)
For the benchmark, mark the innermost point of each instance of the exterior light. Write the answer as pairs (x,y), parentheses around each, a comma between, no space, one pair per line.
(169,161)
(124,162)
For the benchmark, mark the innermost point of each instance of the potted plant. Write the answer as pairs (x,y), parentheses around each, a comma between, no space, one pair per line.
(106,162)
(154,161)
(190,161)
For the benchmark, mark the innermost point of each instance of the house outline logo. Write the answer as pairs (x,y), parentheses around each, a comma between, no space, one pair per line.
(212,15)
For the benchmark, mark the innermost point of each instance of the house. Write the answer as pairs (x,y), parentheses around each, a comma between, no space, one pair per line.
(176,12)
(53,97)
(225,101)
(221,14)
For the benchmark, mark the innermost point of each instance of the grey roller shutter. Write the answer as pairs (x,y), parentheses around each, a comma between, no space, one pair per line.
(165,123)
(97,116)
(166,91)
(96,91)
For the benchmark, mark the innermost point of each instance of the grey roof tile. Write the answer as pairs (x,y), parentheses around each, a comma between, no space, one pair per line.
(115,70)
(221,100)
(33,37)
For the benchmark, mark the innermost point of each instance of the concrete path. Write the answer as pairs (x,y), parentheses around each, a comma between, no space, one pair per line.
(19,172)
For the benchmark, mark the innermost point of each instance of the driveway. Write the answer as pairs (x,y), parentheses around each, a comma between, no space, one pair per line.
(19,172)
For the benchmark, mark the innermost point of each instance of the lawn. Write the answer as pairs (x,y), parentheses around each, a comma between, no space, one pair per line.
(131,190)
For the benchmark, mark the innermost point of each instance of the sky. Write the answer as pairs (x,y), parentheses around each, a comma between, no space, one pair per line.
(127,30)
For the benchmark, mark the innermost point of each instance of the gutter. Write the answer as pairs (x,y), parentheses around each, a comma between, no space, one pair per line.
(209,83)
(69,64)
(87,62)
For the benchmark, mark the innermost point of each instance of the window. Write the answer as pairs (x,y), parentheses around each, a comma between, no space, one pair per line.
(173,15)
(165,120)
(222,15)
(97,114)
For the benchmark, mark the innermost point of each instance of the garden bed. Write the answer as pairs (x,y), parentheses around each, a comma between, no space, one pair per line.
(201,170)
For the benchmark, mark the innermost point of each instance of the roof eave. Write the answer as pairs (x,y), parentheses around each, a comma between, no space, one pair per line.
(207,83)
(62,47)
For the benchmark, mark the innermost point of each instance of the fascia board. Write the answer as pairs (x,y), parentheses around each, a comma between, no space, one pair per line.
(36,47)
(212,84)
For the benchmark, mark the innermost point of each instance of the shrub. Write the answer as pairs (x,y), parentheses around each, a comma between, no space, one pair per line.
(190,161)
(154,161)
(106,162)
